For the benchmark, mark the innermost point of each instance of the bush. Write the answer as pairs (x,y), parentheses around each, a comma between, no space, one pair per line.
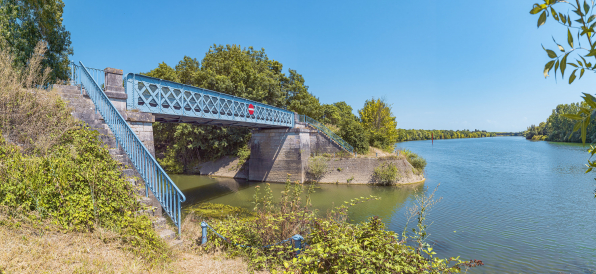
(317,166)
(386,174)
(416,161)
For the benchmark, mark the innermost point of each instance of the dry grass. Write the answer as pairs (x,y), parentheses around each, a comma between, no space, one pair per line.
(27,250)
(32,118)
(374,152)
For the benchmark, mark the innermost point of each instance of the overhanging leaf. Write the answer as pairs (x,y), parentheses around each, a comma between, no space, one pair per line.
(572,77)
(548,67)
(563,65)
(569,38)
(542,19)
(551,54)
(572,116)
(537,8)
(589,99)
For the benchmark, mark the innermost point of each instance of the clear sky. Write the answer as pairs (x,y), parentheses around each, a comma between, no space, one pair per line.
(458,64)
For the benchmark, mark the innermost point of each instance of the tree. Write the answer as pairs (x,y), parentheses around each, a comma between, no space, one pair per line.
(353,133)
(163,71)
(300,100)
(24,23)
(245,73)
(377,119)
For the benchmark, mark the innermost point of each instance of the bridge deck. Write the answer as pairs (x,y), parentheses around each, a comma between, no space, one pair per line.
(178,103)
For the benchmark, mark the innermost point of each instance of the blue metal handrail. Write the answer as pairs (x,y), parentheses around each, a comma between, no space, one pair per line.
(325,130)
(156,179)
(75,75)
(176,101)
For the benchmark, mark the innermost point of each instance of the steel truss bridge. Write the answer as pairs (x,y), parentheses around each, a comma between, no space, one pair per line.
(174,102)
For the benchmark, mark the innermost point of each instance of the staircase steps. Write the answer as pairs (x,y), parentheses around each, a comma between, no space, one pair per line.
(84,110)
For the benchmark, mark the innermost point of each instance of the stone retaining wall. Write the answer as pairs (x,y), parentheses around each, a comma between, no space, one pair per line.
(226,166)
(360,171)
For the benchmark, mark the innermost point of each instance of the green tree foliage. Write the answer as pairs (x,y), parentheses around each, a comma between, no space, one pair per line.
(300,100)
(163,71)
(559,128)
(352,132)
(376,117)
(421,134)
(24,23)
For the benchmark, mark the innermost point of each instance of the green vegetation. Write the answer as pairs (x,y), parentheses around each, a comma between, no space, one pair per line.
(558,127)
(421,134)
(23,24)
(377,119)
(62,173)
(317,166)
(416,161)
(332,244)
(386,174)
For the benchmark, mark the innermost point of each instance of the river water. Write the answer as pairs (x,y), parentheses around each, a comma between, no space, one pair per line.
(519,206)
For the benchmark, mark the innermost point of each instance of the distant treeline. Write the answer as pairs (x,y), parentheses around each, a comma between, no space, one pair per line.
(509,133)
(421,134)
(558,128)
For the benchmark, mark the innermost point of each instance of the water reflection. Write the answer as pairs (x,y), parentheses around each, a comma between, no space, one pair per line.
(198,189)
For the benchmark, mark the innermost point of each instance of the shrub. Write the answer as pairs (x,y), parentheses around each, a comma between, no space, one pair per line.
(416,161)
(317,166)
(386,174)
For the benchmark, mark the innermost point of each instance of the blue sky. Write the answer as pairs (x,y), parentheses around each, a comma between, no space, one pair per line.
(442,64)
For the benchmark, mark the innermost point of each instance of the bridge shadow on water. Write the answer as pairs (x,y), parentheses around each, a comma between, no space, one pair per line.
(199,189)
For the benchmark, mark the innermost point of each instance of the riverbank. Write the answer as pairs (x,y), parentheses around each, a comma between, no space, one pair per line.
(334,170)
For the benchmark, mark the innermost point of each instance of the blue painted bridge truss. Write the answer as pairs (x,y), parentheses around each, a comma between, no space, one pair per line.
(174,102)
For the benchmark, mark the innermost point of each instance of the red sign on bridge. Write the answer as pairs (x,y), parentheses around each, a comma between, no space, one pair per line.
(251,109)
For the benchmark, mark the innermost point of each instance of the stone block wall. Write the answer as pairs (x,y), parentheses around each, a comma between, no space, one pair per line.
(320,143)
(360,171)
(226,166)
(279,153)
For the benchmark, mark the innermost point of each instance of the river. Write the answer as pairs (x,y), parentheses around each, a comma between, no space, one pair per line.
(519,206)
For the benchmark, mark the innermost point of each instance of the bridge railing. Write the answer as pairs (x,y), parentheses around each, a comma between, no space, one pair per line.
(76,73)
(325,130)
(156,179)
(159,96)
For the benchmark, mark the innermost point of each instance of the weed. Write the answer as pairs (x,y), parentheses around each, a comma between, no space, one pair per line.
(317,167)
(386,174)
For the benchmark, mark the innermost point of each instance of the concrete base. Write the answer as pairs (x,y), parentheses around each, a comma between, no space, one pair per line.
(279,154)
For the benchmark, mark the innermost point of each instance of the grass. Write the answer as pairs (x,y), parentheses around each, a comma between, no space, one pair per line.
(33,247)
